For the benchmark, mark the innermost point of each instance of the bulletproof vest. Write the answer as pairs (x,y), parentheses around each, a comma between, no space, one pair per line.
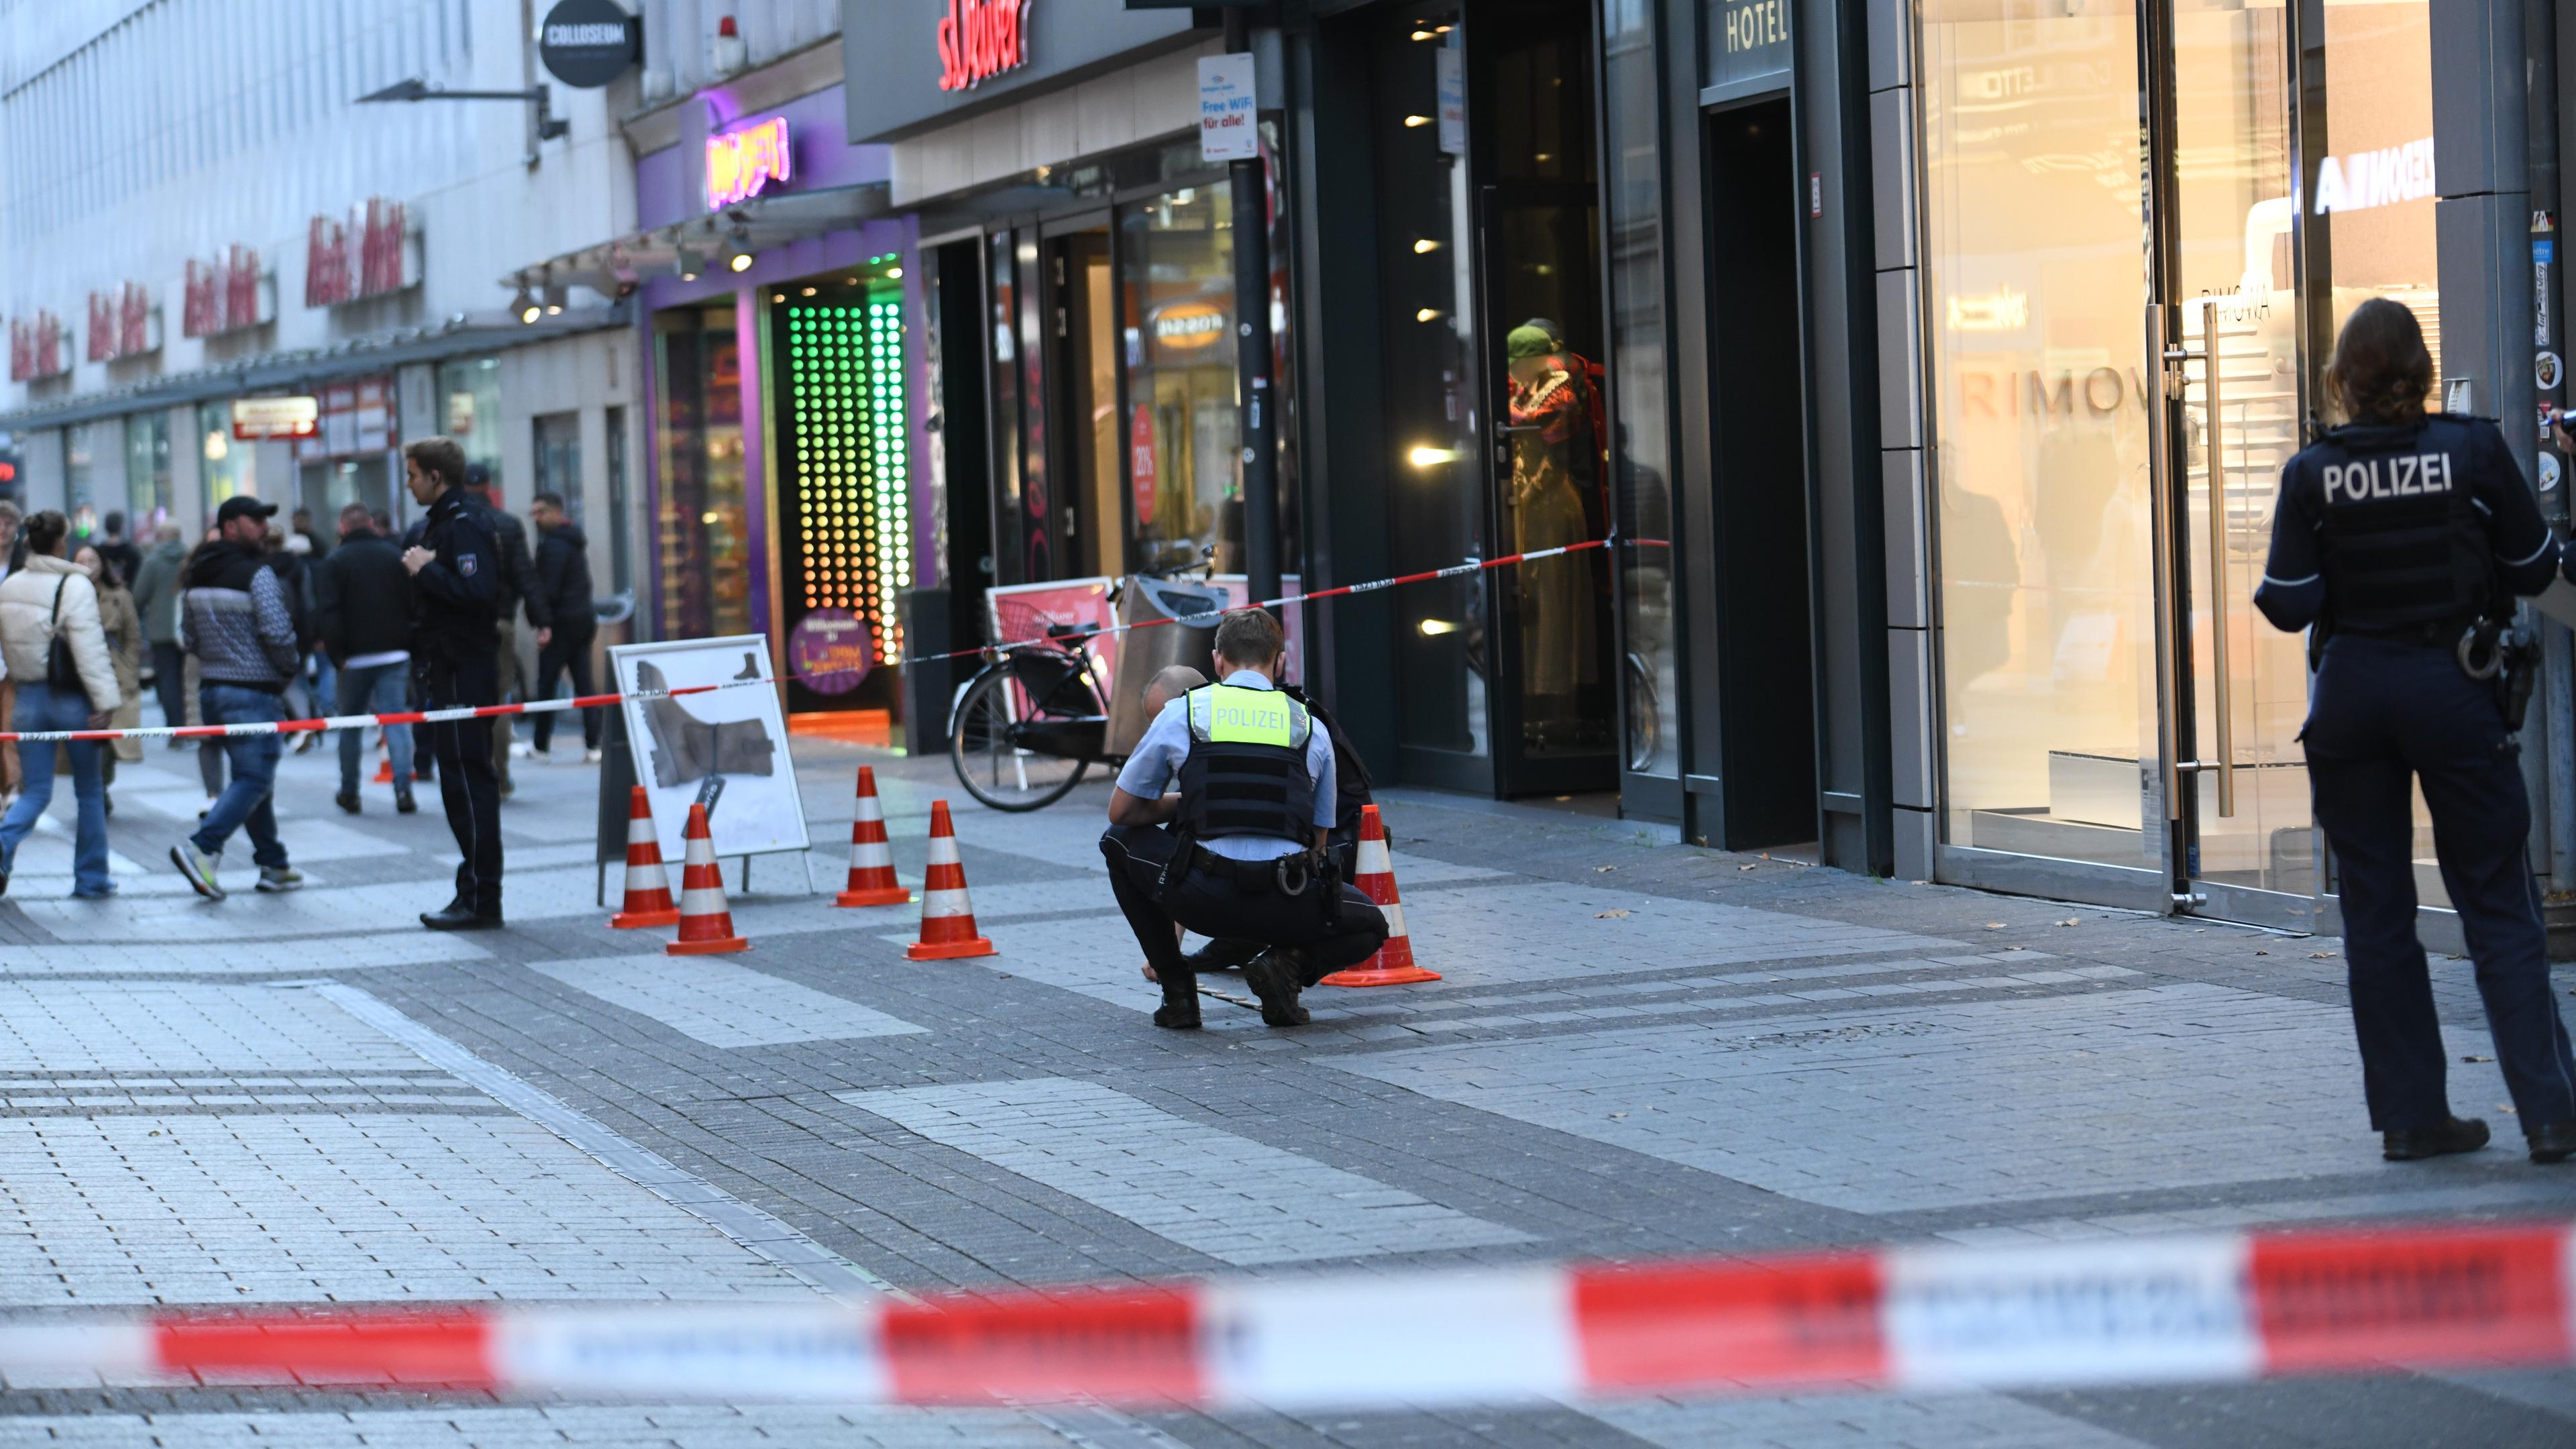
(2403,544)
(1246,772)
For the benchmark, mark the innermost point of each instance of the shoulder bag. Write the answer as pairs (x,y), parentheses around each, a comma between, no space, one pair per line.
(61,670)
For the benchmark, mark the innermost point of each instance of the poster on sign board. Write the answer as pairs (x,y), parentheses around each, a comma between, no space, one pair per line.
(736,736)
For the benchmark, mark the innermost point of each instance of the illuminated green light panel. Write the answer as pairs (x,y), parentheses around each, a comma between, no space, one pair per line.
(851,486)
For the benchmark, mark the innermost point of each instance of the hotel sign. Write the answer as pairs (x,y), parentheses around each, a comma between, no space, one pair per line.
(1745,41)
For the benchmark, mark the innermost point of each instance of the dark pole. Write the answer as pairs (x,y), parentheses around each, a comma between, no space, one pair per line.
(1252,358)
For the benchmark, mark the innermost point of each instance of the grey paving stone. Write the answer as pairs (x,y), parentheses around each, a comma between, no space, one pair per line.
(720,1002)
(1228,1196)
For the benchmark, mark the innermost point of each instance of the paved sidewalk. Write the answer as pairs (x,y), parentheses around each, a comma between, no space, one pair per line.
(1637,1050)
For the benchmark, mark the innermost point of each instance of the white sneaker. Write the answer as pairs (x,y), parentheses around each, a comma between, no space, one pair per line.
(590,757)
(276,878)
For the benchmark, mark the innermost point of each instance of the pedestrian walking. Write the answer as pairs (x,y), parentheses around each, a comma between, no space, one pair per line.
(115,547)
(2403,538)
(156,600)
(290,554)
(563,580)
(236,621)
(518,588)
(124,629)
(10,778)
(456,598)
(363,600)
(58,659)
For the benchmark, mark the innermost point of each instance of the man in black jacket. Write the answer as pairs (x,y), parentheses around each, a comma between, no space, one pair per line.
(518,586)
(363,596)
(456,597)
(563,581)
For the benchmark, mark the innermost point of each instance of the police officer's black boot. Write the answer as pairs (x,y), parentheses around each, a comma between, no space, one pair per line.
(1273,976)
(1180,1008)
(2553,1142)
(2460,1134)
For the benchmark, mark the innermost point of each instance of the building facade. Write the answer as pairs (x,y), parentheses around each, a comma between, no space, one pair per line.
(238,278)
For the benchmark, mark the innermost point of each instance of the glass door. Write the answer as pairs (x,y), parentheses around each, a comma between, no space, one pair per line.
(2224,326)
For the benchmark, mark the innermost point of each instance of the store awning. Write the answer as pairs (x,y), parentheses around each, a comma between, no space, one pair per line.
(615,268)
(463,335)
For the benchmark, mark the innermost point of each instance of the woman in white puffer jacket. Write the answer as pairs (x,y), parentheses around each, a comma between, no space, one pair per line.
(45,595)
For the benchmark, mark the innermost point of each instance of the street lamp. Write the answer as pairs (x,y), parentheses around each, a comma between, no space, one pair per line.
(549,126)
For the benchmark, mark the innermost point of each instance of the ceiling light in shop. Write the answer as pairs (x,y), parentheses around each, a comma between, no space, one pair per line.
(1427,456)
(1426,35)
(808,292)
(1437,627)
(1425,245)
(1412,121)
(1427,314)
(894,273)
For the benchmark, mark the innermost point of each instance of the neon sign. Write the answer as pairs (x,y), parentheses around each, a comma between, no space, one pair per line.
(742,164)
(980,39)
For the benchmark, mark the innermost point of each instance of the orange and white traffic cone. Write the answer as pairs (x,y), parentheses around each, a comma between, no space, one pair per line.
(947,915)
(1393,963)
(872,881)
(648,880)
(384,771)
(706,924)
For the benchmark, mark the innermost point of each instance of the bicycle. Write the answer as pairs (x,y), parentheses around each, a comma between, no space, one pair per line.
(1033,721)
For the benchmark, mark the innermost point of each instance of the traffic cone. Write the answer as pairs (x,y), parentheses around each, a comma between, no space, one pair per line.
(1393,963)
(648,880)
(384,771)
(706,925)
(947,916)
(872,881)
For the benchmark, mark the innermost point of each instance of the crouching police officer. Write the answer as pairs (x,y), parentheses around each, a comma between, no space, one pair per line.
(2404,538)
(1240,850)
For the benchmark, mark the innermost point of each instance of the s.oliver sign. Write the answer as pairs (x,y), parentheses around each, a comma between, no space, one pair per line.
(926,60)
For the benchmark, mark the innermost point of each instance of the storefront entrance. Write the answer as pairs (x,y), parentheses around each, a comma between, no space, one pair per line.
(2121,724)
(1495,406)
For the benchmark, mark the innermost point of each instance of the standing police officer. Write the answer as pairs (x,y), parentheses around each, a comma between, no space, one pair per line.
(2404,537)
(456,597)
(1241,855)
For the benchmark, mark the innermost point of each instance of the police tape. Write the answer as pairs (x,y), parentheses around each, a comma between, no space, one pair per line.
(2186,1308)
(600,701)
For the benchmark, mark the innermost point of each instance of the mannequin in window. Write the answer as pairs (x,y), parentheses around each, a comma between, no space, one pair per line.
(1554,457)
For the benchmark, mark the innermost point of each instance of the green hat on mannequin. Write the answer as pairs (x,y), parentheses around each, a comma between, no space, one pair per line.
(1526,341)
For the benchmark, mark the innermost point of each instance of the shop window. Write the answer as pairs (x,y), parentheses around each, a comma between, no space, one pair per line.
(2034,304)
(703,531)
(1183,450)
(226,467)
(1641,466)
(471,390)
(621,552)
(844,464)
(557,450)
(147,473)
(81,442)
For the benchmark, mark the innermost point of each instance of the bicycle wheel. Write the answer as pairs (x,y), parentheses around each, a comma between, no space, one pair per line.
(1645,717)
(990,763)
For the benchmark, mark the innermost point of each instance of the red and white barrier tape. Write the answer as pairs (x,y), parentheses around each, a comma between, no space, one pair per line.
(598,701)
(2154,1310)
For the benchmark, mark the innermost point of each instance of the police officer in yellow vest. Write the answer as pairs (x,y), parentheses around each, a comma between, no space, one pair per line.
(1239,851)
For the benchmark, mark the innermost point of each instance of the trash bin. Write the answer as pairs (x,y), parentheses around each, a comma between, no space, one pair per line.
(1147,652)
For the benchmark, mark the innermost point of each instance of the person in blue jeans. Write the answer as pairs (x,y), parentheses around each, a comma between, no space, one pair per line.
(45,598)
(235,618)
(362,594)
